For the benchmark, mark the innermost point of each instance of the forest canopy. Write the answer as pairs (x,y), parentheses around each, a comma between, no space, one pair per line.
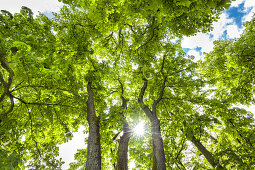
(109,65)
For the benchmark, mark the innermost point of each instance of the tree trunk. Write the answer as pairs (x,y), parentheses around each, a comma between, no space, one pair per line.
(159,161)
(94,150)
(122,160)
(205,152)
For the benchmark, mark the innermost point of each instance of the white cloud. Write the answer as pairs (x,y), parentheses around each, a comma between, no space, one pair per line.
(14,6)
(195,53)
(220,26)
(205,42)
(249,3)
(249,15)
(233,31)
(236,3)
(223,24)
(249,6)
(199,40)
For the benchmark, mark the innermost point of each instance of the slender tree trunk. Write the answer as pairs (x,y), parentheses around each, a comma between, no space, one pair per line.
(159,161)
(122,160)
(205,152)
(94,149)
(6,84)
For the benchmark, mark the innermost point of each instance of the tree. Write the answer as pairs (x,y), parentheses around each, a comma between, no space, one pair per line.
(27,45)
(179,17)
(229,68)
(117,56)
(155,33)
(94,148)
(122,158)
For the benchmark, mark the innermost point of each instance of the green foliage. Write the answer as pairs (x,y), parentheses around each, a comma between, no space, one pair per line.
(116,45)
(230,66)
(44,111)
(81,160)
(112,15)
(229,70)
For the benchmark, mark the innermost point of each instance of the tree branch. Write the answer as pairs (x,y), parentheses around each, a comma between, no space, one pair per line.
(5,85)
(162,88)
(38,86)
(15,88)
(145,108)
(178,71)
(108,38)
(131,27)
(11,107)
(43,104)
(153,33)
(182,147)
(124,101)
(115,136)
(240,134)
(5,65)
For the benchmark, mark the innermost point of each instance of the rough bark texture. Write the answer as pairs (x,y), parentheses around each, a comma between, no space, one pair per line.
(159,161)
(94,149)
(205,152)
(122,160)
(6,84)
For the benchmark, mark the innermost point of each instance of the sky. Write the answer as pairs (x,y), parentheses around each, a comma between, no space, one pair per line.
(228,26)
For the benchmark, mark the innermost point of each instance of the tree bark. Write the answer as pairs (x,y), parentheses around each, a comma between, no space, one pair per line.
(122,160)
(94,148)
(6,84)
(205,152)
(159,161)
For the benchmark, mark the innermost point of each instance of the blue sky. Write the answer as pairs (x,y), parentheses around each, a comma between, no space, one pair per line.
(228,26)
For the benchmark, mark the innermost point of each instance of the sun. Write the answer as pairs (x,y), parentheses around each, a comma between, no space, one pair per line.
(139,129)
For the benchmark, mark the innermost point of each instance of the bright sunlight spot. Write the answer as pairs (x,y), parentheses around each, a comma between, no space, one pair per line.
(139,129)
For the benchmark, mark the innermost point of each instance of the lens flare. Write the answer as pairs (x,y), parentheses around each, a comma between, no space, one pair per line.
(139,129)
